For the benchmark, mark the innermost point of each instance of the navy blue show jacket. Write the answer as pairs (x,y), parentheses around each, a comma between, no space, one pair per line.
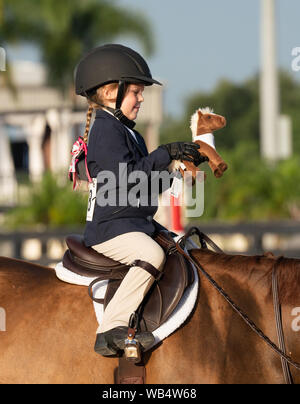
(111,143)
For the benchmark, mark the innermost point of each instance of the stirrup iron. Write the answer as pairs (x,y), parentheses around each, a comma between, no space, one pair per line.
(132,348)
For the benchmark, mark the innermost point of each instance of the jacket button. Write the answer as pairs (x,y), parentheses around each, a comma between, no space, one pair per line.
(149,218)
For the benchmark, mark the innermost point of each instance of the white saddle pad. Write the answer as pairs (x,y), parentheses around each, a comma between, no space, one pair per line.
(177,318)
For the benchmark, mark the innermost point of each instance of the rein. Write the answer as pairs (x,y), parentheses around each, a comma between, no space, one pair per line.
(285,359)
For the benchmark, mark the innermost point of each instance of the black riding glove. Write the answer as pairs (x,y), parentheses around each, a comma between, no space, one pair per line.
(202,159)
(184,151)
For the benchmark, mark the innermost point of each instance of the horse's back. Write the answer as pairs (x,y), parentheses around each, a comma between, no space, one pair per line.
(21,274)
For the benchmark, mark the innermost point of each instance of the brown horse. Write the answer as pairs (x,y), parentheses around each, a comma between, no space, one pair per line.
(50,327)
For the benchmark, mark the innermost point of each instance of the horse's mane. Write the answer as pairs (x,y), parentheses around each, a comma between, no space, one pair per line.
(206,110)
(259,268)
(288,280)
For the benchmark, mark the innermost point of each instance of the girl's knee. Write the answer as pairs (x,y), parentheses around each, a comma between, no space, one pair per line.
(159,258)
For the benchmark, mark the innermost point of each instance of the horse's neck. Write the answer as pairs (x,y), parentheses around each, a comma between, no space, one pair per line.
(203,133)
(206,138)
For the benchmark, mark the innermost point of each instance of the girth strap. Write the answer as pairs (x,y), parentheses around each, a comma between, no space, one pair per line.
(148,267)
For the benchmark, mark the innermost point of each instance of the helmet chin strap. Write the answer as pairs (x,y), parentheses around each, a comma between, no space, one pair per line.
(117,111)
(122,118)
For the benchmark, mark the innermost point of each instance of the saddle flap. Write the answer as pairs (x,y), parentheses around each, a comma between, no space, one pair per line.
(167,292)
(164,295)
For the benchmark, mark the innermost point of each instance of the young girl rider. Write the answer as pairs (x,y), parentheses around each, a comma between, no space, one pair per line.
(112,78)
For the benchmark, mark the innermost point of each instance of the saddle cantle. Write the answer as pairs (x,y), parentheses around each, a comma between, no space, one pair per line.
(163,296)
(86,261)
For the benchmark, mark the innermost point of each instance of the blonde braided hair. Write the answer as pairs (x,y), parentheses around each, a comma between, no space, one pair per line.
(94,102)
(88,123)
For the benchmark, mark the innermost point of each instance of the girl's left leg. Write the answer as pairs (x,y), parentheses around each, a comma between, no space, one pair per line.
(127,248)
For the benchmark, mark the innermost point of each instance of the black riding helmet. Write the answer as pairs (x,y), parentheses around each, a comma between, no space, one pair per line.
(108,64)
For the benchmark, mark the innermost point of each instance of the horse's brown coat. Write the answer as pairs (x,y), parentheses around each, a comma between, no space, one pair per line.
(51,328)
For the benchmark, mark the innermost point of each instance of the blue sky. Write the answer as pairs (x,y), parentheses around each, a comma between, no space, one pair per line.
(198,42)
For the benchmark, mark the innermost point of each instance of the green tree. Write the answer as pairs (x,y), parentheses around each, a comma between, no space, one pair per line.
(251,188)
(239,103)
(65,30)
(50,204)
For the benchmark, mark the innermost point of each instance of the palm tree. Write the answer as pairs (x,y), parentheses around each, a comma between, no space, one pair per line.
(65,30)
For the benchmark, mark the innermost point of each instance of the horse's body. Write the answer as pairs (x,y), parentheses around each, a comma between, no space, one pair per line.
(50,328)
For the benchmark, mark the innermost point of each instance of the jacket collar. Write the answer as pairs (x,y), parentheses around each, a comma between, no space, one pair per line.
(101,113)
(118,114)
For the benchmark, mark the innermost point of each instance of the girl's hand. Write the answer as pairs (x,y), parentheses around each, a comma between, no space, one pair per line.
(184,151)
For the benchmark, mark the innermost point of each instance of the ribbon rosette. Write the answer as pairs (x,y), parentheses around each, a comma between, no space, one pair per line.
(78,147)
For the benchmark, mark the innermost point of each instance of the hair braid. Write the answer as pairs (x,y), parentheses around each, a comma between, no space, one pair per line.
(88,122)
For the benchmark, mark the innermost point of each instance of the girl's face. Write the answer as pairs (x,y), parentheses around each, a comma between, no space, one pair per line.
(132,101)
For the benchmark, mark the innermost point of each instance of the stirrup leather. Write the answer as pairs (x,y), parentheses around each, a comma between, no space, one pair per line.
(149,268)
